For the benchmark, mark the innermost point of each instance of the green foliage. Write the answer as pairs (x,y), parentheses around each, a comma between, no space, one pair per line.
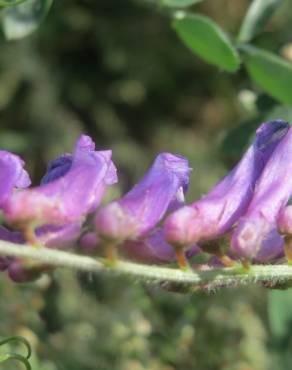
(272,73)
(179,3)
(21,20)
(280,313)
(11,2)
(206,38)
(258,14)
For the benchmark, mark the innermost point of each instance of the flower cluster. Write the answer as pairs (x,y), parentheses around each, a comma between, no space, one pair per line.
(248,211)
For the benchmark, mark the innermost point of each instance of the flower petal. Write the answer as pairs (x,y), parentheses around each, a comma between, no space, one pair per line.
(12,175)
(152,249)
(67,198)
(272,193)
(144,206)
(215,213)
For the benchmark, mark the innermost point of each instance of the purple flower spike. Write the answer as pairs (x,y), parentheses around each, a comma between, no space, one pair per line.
(153,249)
(12,175)
(272,193)
(68,192)
(215,213)
(144,206)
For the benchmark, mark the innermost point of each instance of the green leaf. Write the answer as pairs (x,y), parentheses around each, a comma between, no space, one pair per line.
(23,19)
(11,2)
(280,312)
(258,14)
(179,3)
(272,73)
(207,40)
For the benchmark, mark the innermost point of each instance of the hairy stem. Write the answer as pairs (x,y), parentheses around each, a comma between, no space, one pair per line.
(270,275)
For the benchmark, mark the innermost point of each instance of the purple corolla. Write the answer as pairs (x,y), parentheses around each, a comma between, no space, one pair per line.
(73,187)
(284,221)
(215,213)
(258,226)
(153,249)
(139,211)
(9,236)
(12,175)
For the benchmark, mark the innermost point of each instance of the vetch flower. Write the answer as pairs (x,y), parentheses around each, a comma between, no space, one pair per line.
(12,175)
(215,213)
(59,237)
(58,168)
(153,249)
(140,210)
(26,271)
(89,243)
(72,188)
(284,224)
(9,236)
(137,212)
(284,221)
(272,193)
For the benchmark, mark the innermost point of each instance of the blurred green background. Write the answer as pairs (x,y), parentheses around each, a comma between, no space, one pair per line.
(115,69)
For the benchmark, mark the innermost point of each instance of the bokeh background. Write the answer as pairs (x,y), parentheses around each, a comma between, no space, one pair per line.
(115,69)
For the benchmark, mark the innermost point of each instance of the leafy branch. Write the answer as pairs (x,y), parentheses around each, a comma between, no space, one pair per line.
(269,275)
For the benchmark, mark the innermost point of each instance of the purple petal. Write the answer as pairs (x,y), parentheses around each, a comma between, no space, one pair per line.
(144,206)
(12,175)
(152,249)
(24,272)
(215,213)
(89,242)
(284,220)
(67,198)
(58,168)
(272,193)
(9,236)
(61,237)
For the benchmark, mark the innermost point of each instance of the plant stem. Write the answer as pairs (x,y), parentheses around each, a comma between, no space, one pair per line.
(271,275)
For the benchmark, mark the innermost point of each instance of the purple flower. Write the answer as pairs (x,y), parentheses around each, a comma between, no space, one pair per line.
(58,168)
(259,223)
(89,243)
(136,213)
(153,249)
(24,272)
(9,236)
(12,175)
(59,237)
(69,190)
(284,220)
(215,213)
